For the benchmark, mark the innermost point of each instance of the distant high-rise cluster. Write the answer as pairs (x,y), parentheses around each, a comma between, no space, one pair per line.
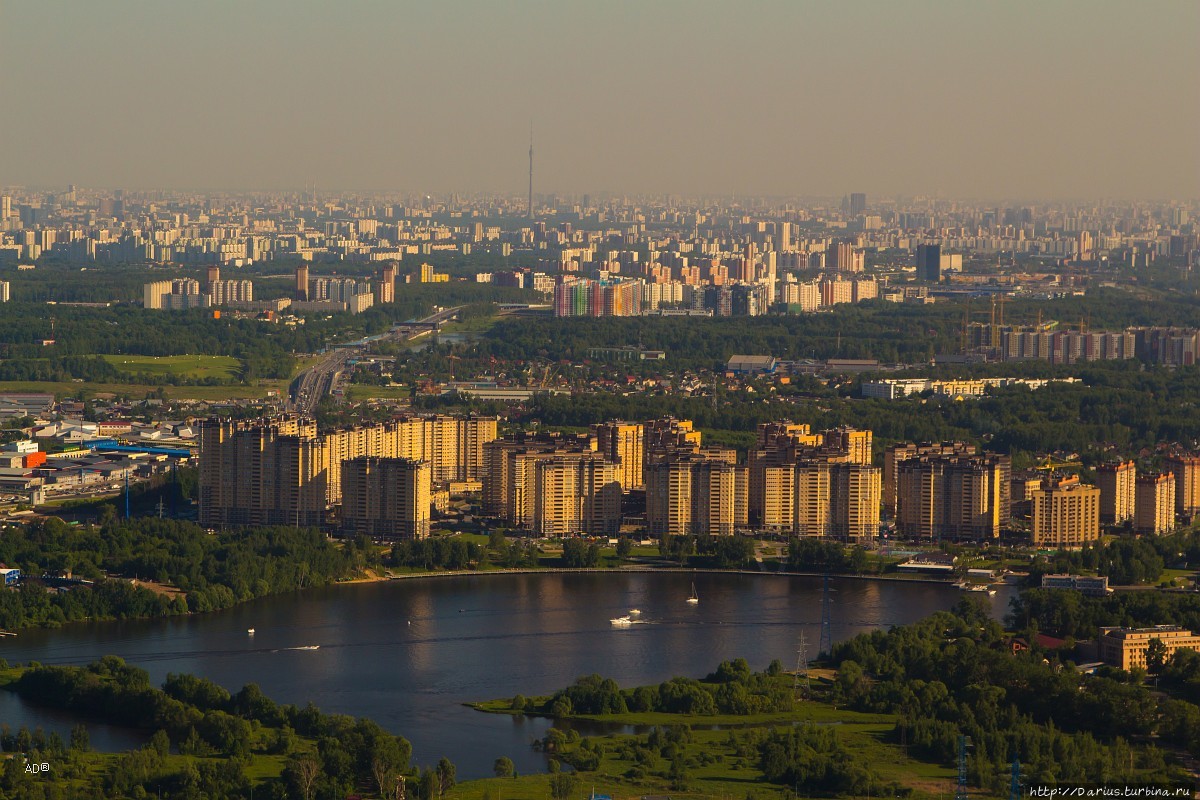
(282,471)
(1047,342)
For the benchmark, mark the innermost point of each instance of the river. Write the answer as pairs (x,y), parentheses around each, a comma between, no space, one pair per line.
(409,653)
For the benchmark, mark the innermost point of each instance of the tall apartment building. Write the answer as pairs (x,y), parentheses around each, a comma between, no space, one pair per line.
(553,485)
(854,442)
(302,291)
(819,497)
(174,295)
(623,443)
(844,257)
(793,479)
(153,292)
(576,494)
(1116,483)
(1155,505)
(1066,514)
(855,492)
(1186,469)
(5,290)
(950,497)
(262,472)
(700,492)
(229,291)
(282,471)
(583,297)
(893,455)
(385,290)
(929,262)
(386,498)
(668,433)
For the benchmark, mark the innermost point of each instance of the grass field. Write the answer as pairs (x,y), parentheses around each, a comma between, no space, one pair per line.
(138,391)
(718,766)
(195,367)
(362,391)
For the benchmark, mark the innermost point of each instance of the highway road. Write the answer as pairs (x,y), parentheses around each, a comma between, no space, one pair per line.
(319,380)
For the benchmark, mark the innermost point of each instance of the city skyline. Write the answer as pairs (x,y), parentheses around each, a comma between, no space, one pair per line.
(791,99)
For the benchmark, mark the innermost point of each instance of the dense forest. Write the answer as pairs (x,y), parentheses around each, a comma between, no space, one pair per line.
(203,742)
(212,571)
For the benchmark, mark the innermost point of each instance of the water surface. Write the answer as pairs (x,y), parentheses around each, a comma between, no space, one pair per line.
(409,653)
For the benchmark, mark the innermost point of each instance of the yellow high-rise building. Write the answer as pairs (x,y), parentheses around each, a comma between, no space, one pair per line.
(1117,485)
(856,491)
(386,498)
(669,433)
(576,493)
(893,455)
(623,443)
(856,443)
(1155,506)
(283,472)
(1187,482)
(553,485)
(1066,514)
(701,492)
(950,497)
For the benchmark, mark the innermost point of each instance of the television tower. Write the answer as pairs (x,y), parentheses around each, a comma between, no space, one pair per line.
(531,172)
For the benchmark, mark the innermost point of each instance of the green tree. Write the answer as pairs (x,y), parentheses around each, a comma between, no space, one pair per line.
(562,785)
(80,741)
(445,776)
(1156,656)
(503,767)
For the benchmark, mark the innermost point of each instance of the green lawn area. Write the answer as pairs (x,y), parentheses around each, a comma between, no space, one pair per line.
(719,767)
(475,325)
(195,367)
(138,391)
(363,391)
(1177,577)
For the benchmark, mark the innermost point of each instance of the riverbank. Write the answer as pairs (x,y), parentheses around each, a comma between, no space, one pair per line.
(464,573)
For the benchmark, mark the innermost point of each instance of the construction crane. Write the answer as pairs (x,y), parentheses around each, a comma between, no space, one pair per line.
(1050,466)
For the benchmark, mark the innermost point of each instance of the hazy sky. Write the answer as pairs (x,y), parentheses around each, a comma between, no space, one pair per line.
(962,98)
